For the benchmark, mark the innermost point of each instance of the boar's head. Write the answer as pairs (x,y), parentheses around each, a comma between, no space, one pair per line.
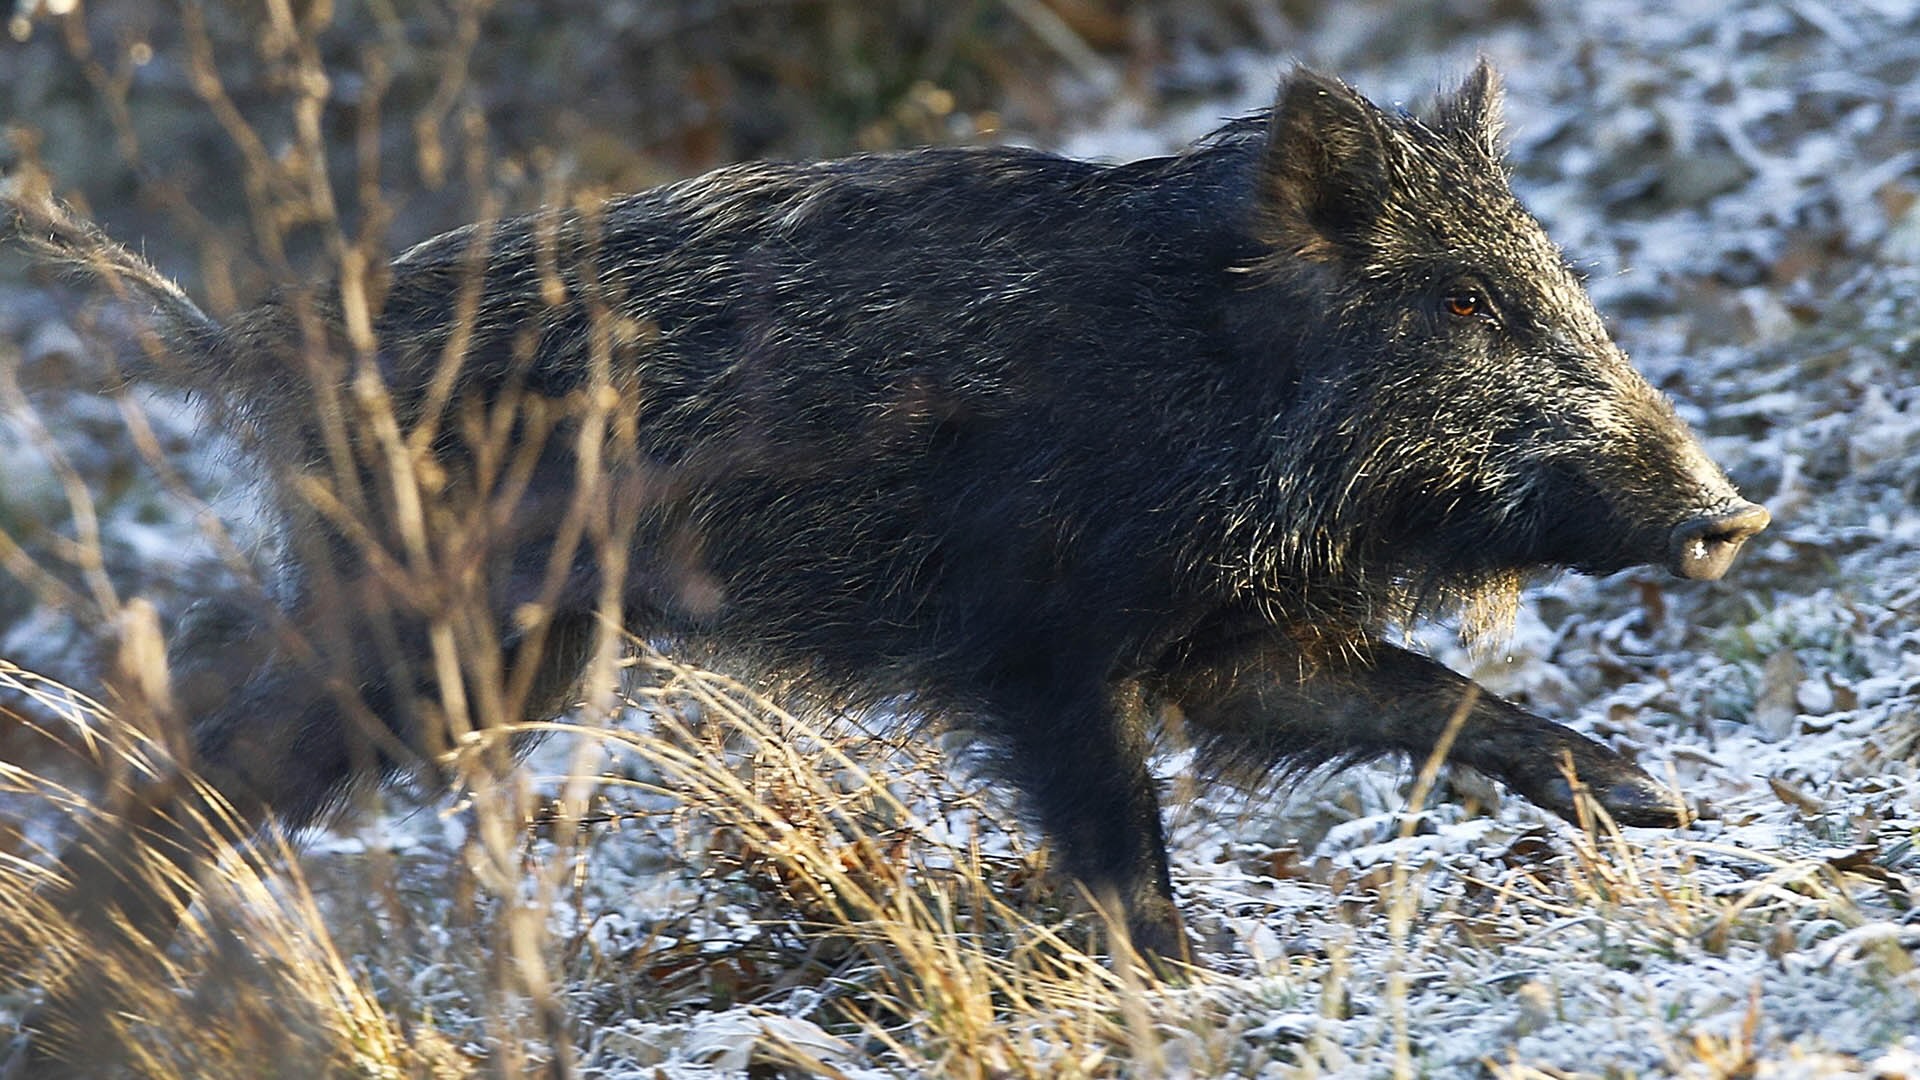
(1460,408)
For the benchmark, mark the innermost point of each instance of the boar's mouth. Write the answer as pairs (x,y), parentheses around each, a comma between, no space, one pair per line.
(1591,534)
(1701,548)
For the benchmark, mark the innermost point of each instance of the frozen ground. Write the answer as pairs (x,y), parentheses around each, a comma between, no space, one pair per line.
(1742,181)
(1739,179)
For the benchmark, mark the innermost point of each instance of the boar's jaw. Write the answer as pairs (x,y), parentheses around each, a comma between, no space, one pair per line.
(1703,547)
(1600,525)
(1700,548)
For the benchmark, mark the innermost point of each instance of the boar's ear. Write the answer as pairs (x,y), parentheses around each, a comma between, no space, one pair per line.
(1472,113)
(1325,176)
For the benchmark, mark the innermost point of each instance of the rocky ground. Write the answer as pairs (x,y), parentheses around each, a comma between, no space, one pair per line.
(1742,182)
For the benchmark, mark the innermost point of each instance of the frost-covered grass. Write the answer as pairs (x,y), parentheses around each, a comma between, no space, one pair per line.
(694,883)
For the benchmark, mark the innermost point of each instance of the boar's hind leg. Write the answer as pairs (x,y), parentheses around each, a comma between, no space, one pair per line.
(267,736)
(275,737)
(1256,700)
(270,737)
(1082,765)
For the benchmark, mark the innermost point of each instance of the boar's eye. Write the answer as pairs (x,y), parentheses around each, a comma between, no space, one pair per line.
(1465,304)
(1468,299)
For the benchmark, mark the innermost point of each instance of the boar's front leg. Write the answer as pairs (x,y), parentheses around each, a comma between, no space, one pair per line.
(1081,762)
(1260,700)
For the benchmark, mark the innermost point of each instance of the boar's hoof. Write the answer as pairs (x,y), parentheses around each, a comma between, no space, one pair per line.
(1629,798)
(1642,803)
(25,1058)
(1159,937)
(1702,548)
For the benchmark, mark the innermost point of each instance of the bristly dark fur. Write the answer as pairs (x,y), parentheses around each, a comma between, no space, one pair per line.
(1037,446)
(30,216)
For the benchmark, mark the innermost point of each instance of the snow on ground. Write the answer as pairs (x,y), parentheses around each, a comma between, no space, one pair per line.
(1742,182)
(1739,180)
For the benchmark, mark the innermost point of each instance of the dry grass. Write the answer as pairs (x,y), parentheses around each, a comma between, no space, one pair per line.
(830,900)
(904,940)
(948,959)
(253,976)
(940,957)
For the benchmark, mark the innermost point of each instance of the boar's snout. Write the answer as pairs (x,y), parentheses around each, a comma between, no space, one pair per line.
(1703,547)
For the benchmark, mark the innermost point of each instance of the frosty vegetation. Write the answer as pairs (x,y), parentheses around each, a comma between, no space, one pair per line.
(700,885)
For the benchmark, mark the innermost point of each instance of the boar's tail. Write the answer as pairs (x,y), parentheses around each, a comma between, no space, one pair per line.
(185,345)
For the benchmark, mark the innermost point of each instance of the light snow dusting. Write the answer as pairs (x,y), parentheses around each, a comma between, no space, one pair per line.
(1740,181)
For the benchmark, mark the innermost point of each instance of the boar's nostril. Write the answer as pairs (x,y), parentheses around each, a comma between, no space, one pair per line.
(1703,547)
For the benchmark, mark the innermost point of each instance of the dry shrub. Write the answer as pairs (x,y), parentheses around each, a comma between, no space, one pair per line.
(950,957)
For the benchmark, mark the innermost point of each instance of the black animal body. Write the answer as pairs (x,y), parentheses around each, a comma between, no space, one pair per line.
(1034,447)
